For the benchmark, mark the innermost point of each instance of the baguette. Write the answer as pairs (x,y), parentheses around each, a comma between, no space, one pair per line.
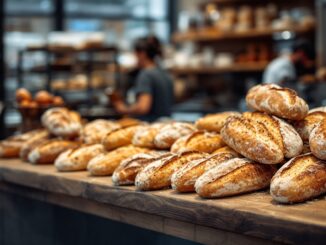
(157,175)
(78,158)
(233,177)
(214,122)
(105,163)
(317,140)
(300,179)
(94,131)
(144,137)
(183,180)
(278,101)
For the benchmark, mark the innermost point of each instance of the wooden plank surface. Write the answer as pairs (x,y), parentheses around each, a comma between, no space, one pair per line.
(254,215)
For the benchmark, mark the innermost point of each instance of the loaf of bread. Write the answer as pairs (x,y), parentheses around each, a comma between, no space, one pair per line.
(105,163)
(215,122)
(171,132)
(233,177)
(145,136)
(300,179)
(262,138)
(62,122)
(199,141)
(157,175)
(120,137)
(278,101)
(48,151)
(183,180)
(78,158)
(317,140)
(94,132)
(126,172)
(305,126)
(227,149)
(33,142)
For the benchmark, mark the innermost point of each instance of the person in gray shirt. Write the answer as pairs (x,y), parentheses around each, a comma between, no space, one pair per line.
(153,87)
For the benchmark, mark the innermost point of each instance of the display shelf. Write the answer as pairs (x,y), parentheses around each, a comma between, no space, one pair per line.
(212,34)
(247,219)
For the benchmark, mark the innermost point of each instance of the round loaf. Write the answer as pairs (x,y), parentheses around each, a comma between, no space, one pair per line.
(300,179)
(317,140)
(93,132)
(215,122)
(233,177)
(278,101)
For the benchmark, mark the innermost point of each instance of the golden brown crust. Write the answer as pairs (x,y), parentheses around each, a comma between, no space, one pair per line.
(227,149)
(128,121)
(300,179)
(93,132)
(145,136)
(215,122)
(35,141)
(317,140)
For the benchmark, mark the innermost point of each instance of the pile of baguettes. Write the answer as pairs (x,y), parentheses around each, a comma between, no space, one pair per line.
(281,145)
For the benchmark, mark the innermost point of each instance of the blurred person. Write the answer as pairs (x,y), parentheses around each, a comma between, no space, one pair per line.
(153,85)
(288,68)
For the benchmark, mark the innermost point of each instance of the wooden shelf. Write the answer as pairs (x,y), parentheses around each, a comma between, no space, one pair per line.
(212,34)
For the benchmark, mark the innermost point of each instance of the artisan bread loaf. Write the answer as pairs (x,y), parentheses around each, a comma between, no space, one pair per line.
(171,132)
(62,122)
(120,137)
(126,172)
(78,158)
(183,180)
(300,179)
(94,132)
(215,122)
(262,138)
(144,137)
(157,175)
(180,144)
(233,177)
(48,151)
(278,101)
(317,140)
(105,163)
(33,142)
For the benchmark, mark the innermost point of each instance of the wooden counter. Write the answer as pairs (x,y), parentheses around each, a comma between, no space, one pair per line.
(247,219)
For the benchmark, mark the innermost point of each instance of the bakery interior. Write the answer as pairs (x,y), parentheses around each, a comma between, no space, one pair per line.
(162,122)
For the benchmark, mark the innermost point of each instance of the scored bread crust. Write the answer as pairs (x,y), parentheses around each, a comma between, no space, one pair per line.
(33,142)
(157,175)
(278,101)
(93,132)
(78,158)
(183,180)
(145,136)
(105,163)
(300,179)
(317,140)
(215,122)
(233,177)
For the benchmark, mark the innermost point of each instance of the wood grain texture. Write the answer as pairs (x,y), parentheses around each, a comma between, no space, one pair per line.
(253,215)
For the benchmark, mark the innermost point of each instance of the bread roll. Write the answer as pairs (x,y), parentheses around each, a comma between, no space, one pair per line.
(317,140)
(33,142)
(94,132)
(78,158)
(183,180)
(157,175)
(126,172)
(50,150)
(171,132)
(233,177)
(105,163)
(300,179)
(227,149)
(145,136)
(215,122)
(262,138)
(120,137)
(62,122)
(278,101)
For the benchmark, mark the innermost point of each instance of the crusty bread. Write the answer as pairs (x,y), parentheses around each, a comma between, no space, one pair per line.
(233,177)
(93,132)
(62,122)
(262,138)
(317,140)
(226,149)
(126,172)
(278,101)
(183,180)
(145,136)
(215,122)
(78,158)
(157,175)
(48,151)
(199,141)
(171,132)
(120,137)
(305,126)
(33,142)
(300,179)
(105,163)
